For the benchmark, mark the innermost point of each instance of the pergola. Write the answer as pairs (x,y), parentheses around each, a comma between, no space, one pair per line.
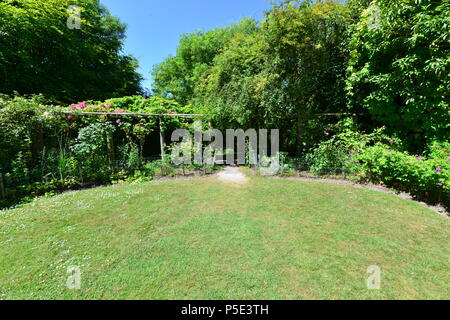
(139,114)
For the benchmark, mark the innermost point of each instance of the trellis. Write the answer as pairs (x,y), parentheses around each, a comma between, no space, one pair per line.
(139,114)
(191,116)
(135,114)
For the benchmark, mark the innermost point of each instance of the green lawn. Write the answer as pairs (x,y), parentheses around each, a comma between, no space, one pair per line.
(208,239)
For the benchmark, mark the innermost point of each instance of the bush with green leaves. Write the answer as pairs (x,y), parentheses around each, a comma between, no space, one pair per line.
(336,155)
(426,177)
(23,121)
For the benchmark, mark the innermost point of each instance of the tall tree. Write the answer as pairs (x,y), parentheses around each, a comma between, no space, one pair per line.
(39,53)
(292,67)
(400,68)
(177,76)
(306,48)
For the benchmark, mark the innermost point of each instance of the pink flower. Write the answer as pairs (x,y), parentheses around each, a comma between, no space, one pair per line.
(391,141)
(118,121)
(327,134)
(438,169)
(440,184)
(448,159)
(70,118)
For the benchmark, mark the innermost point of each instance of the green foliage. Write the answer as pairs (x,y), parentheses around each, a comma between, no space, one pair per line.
(399,68)
(306,56)
(337,154)
(91,140)
(40,54)
(388,58)
(230,91)
(177,76)
(427,178)
(290,67)
(45,150)
(22,121)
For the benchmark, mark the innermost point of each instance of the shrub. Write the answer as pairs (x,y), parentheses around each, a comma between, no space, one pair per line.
(41,144)
(336,155)
(426,178)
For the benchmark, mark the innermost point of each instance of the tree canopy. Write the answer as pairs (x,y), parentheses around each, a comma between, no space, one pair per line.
(387,59)
(399,68)
(177,76)
(39,53)
(270,74)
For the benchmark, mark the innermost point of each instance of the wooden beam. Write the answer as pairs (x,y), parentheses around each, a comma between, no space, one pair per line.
(134,114)
(339,114)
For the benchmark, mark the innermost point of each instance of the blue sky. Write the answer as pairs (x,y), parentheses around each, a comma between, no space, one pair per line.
(155,26)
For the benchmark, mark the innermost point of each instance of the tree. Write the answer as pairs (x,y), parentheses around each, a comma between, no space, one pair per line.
(306,49)
(40,54)
(177,76)
(229,91)
(290,68)
(400,68)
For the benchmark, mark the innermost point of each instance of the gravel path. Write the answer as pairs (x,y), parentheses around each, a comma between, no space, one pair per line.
(232,174)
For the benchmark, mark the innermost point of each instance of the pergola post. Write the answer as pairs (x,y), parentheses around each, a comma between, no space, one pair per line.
(111,151)
(162,138)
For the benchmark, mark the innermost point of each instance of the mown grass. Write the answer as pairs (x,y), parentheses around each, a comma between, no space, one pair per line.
(208,239)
